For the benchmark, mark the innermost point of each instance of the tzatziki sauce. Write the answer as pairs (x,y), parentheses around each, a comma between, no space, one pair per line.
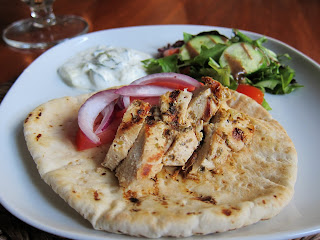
(103,67)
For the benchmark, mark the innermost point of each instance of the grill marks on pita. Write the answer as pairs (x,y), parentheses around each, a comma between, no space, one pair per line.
(193,131)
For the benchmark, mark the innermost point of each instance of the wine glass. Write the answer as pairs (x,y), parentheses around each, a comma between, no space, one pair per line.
(44,29)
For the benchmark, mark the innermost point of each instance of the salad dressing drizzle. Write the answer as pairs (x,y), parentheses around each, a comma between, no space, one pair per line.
(237,70)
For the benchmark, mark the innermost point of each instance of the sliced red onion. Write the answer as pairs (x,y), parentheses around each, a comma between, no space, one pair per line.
(91,109)
(123,102)
(126,101)
(120,103)
(168,77)
(142,90)
(107,113)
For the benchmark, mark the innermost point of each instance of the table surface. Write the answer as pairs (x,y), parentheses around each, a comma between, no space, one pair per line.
(294,22)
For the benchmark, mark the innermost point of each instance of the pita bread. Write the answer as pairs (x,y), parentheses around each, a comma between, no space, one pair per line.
(257,182)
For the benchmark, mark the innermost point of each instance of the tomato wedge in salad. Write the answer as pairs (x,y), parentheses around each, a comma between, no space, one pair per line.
(171,51)
(251,91)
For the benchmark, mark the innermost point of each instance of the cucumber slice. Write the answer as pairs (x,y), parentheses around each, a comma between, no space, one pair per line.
(272,55)
(243,58)
(193,47)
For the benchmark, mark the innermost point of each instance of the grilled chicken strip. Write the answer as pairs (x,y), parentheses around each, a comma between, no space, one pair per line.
(234,127)
(213,152)
(229,132)
(173,107)
(181,149)
(144,159)
(203,105)
(127,133)
(206,100)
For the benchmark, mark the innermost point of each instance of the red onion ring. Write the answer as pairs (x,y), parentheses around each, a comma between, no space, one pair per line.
(123,102)
(90,110)
(168,77)
(142,90)
(126,101)
(107,113)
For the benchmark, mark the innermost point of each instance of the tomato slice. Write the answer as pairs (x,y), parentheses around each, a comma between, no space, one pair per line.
(171,51)
(107,136)
(251,91)
(173,85)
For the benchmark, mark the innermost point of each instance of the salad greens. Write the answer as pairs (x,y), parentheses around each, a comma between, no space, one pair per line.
(231,61)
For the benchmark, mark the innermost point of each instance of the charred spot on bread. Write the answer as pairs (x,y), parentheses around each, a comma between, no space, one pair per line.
(27,119)
(207,199)
(134,200)
(38,136)
(226,212)
(96,195)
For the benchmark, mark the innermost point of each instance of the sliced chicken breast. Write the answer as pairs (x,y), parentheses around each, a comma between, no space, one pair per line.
(144,159)
(203,105)
(229,132)
(234,127)
(206,100)
(184,144)
(173,106)
(127,133)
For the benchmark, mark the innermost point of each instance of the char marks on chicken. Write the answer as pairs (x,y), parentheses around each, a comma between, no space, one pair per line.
(127,133)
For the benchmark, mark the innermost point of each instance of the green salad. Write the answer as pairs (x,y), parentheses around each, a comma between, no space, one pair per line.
(232,61)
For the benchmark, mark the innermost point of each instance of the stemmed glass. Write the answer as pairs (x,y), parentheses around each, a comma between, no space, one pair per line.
(44,29)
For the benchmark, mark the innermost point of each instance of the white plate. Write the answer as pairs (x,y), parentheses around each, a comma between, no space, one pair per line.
(26,196)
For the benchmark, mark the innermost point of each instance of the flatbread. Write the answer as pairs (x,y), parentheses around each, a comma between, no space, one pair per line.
(257,182)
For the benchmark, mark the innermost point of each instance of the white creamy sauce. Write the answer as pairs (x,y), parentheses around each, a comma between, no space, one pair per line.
(102,67)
